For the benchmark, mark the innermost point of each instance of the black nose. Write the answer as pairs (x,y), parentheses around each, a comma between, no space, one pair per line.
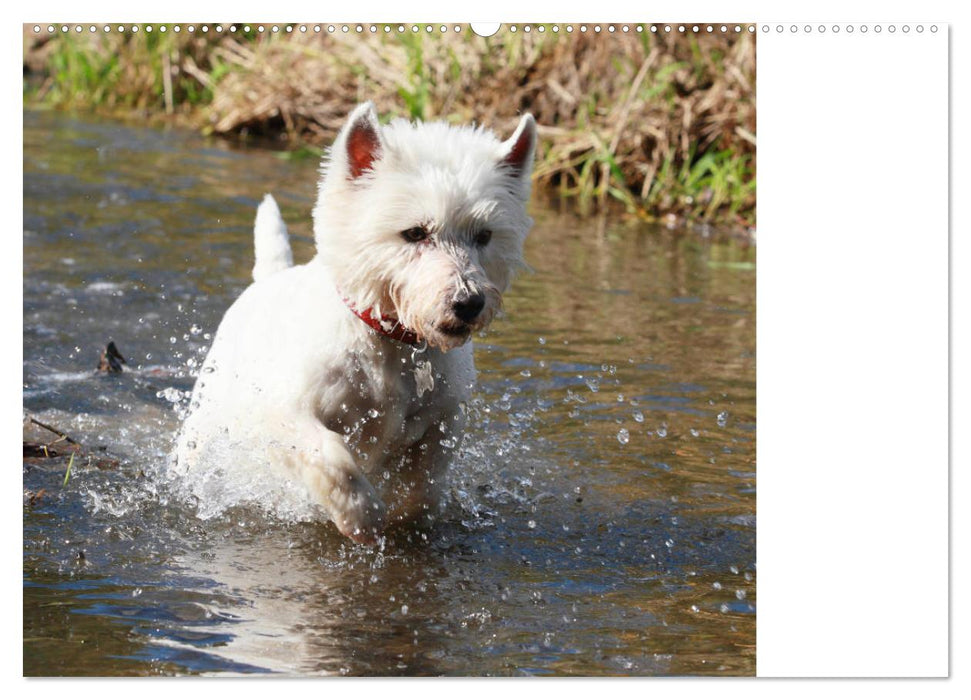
(468,308)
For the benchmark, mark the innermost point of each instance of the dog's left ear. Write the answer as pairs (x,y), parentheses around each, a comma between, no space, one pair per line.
(362,143)
(517,151)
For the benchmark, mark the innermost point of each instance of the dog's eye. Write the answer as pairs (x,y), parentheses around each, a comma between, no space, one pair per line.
(482,238)
(415,234)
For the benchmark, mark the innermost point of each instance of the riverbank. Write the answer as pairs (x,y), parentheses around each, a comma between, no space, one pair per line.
(661,122)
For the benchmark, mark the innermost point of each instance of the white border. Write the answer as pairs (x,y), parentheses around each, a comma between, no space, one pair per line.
(852,352)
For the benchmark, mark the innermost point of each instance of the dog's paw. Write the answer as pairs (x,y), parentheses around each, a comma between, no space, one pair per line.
(357,510)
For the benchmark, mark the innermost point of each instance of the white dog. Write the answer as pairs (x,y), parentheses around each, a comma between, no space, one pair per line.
(350,372)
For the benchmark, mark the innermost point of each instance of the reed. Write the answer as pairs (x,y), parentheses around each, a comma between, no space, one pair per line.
(663,123)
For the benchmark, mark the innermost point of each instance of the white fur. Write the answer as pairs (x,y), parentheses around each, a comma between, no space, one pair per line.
(295,381)
(271,242)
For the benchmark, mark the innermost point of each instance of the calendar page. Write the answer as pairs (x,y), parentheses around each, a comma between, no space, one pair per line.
(470,349)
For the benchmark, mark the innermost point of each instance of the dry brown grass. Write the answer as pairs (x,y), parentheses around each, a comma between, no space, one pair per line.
(664,123)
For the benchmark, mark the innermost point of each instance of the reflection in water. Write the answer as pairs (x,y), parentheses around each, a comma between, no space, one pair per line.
(602,511)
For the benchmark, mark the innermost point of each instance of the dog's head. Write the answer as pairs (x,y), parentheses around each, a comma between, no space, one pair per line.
(425,222)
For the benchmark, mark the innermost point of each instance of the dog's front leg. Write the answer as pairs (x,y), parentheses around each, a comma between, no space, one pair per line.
(420,477)
(329,471)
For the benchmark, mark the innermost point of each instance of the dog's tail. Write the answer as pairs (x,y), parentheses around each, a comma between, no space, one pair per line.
(271,241)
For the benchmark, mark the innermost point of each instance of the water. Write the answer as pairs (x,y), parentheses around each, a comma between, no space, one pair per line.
(602,508)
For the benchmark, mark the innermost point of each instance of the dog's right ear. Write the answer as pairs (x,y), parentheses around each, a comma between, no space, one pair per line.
(518,150)
(361,143)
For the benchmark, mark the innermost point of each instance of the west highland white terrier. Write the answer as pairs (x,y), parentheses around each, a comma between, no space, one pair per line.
(349,372)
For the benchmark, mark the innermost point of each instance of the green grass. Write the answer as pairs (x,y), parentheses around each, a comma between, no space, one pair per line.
(416,96)
(67,474)
(635,142)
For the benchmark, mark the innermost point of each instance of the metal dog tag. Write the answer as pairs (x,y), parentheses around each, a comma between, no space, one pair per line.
(424,381)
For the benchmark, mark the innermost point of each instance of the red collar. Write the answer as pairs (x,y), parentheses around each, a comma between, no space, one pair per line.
(387,326)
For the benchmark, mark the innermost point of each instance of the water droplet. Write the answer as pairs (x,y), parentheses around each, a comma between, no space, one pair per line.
(662,431)
(669,543)
(623,436)
(526,373)
(694,433)
(373,412)
(740,594)
(542,341)
(170,394)
(404,609)
(717,586)
(695,608)
(531,524)
(722,419)
(173,340)
(638,416)
(195,330)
